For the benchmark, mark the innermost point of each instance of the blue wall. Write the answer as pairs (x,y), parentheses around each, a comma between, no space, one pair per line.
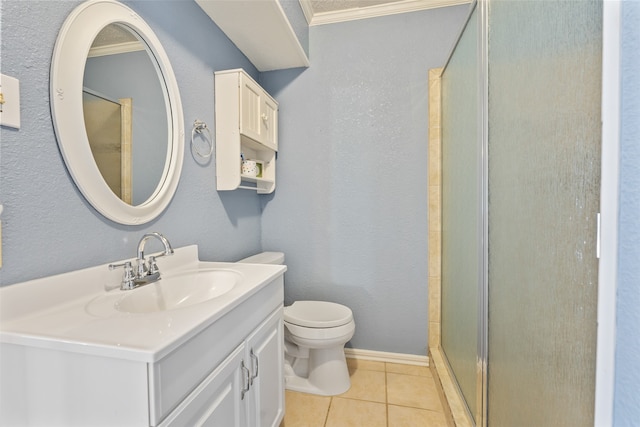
(350,209)
(47,226)
(627,385)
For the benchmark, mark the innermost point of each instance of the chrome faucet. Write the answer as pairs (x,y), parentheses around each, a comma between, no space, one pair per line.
(153,268)
(145,272)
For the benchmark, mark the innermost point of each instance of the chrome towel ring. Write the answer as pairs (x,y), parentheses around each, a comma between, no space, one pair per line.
(198,127)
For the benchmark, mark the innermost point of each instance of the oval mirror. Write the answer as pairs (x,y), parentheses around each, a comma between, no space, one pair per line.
(123,101)
(117,112)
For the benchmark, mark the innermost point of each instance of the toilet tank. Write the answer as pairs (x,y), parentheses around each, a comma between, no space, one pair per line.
(265,258)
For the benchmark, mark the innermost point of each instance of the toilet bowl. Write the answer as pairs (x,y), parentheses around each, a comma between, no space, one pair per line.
(315,333)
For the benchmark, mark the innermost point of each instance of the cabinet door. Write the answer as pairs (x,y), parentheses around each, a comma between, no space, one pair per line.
(250,109)
(266,356)
(269,119)
(218,400)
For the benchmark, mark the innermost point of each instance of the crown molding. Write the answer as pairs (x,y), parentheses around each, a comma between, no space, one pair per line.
(114,49)
(307,10)
(374,11)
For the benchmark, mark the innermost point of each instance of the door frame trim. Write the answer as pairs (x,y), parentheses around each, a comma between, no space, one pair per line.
(609,202)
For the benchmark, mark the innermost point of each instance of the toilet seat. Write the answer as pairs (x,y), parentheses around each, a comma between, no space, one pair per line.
(317,314)
(337,333)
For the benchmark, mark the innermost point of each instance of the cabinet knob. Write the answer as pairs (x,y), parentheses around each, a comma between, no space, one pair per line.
(264,117)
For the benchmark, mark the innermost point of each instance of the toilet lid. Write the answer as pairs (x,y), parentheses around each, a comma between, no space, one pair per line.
(317,314)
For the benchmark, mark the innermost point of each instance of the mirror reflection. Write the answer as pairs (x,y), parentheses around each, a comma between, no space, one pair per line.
(125,114)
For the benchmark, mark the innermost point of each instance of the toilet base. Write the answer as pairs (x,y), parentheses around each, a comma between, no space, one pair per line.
(328,374)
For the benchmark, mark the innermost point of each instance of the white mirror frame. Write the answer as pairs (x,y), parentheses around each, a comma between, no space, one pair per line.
(67,75)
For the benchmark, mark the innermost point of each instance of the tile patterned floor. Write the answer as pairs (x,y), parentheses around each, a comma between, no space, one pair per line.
(381,395)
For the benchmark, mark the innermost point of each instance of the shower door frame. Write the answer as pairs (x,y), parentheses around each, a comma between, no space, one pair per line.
(482,380)
(609,204)
(608,224)
(483,224)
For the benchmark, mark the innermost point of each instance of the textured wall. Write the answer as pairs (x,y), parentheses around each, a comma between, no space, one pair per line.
(350,209)
(627,388)
(48,227)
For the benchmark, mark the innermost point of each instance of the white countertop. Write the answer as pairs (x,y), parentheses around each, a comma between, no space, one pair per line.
(52,312)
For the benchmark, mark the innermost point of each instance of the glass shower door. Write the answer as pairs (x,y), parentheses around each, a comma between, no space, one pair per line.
(544,91)
(461,210)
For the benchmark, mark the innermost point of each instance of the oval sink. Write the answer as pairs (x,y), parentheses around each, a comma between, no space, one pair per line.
(178,291)
(169,293)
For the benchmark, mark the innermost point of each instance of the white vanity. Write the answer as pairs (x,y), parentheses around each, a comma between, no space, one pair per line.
(202,346)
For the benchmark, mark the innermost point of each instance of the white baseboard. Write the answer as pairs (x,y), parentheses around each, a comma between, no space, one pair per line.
(382,356)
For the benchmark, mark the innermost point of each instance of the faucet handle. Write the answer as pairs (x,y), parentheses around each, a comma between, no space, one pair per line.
(126,265)
(141,267)
(153,267)
(127,277)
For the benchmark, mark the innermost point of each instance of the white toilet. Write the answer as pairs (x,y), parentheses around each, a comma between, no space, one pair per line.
(315,333)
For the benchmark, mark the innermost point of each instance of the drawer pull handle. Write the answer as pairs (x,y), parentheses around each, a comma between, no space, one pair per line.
(246,377)
(254,358)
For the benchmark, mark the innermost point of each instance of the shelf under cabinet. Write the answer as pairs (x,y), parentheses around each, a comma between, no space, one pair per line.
(263,185)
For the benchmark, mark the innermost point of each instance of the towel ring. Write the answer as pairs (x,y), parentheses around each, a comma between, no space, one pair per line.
(198,127)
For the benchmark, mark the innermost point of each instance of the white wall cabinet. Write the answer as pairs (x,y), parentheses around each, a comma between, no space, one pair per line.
(261,30)
(247,123)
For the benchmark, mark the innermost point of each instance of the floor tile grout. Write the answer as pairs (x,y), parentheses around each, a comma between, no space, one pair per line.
(400,408)
(386,396)
(326,416)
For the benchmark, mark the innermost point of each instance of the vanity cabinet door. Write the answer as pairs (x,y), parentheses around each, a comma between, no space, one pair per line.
(217,401)
(266,355)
